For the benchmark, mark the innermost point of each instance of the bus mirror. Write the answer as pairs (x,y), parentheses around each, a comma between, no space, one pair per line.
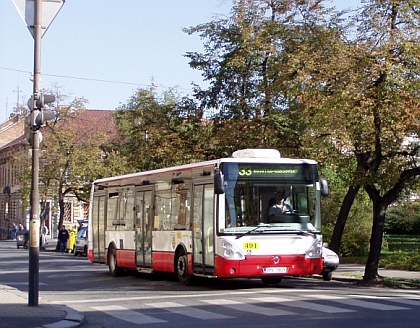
(324,186)
(218,182)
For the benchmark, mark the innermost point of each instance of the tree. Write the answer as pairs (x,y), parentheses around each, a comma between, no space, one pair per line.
(251,60)
(78,147)
(346,89)
(161,131)
(372,100)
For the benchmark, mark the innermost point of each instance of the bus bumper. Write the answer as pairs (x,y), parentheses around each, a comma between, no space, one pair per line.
(275,265)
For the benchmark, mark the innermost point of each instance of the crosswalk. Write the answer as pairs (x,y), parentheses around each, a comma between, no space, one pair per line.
(259,305)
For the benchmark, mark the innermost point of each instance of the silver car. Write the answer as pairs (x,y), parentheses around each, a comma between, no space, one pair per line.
(80,246)
(330,263)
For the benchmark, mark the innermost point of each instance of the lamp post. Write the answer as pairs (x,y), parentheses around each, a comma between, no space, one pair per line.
(32,13)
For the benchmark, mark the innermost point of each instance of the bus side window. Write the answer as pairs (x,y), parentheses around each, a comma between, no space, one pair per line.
(181,206)
(163,210)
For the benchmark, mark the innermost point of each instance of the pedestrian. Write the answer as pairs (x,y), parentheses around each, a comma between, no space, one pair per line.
(44,234)
(21,226)
(14,229)
(63,236)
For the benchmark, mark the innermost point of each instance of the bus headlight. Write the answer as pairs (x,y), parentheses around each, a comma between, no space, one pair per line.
(230,251)
(315,251)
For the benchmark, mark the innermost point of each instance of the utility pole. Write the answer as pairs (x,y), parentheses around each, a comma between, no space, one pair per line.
(34,222)
(31,12)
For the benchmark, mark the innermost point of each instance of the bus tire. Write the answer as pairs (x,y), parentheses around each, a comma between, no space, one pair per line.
(271,280)
(114,270)
(327,276)
(181,269)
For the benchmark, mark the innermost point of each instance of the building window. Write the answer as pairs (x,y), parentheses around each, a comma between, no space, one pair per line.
(67,212)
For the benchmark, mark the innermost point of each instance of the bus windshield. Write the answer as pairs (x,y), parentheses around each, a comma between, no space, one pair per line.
(276,197)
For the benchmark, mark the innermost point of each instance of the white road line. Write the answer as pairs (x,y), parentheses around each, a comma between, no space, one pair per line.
(20,283)
(125,314)
(304,305)
(360,303)
(139,298)
(409,300)
(249,308)
(188,311)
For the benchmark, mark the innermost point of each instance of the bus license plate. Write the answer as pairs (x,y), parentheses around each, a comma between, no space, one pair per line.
(275,270)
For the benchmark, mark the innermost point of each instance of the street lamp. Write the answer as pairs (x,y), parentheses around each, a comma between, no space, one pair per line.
(38,15)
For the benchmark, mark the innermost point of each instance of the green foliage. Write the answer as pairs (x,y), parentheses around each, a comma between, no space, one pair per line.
(162,130)
(400,260)
(403,218)
(405,243)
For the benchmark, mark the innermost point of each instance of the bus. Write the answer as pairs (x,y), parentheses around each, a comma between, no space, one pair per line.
(211,219)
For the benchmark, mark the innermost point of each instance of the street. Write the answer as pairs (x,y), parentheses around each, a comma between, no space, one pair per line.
(160,301)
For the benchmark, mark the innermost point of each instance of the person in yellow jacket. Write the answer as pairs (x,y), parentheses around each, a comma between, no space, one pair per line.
(72,239)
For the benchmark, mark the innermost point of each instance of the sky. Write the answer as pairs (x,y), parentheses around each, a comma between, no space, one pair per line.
(104,50)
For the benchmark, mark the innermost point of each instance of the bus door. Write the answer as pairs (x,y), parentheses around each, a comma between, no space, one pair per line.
(97,232)
(203,232)
(144,225)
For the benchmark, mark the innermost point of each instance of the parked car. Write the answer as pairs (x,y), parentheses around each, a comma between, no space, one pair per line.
(330,263)
(81,244)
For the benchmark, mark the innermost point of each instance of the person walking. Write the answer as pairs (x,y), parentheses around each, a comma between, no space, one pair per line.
(44,234)
(63,236)
(14,229)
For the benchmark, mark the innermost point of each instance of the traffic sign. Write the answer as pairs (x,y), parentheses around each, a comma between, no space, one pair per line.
(50,9)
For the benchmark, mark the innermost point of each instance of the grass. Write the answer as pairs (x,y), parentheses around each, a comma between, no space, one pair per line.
(398,260)
(399,252)
(406,243)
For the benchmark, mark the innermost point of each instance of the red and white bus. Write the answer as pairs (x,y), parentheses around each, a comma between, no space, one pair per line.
(211,219)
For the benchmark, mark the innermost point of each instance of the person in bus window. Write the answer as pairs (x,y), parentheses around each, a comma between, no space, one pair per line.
(279,207)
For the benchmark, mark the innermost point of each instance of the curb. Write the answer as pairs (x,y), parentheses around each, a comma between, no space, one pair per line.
(73,318)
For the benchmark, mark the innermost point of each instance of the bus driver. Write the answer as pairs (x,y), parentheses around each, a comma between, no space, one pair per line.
(280,207)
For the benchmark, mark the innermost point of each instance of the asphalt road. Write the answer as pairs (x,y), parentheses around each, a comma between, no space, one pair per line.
(135,300)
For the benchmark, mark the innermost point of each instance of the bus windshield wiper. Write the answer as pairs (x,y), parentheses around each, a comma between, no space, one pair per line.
(301,232)
(261,225)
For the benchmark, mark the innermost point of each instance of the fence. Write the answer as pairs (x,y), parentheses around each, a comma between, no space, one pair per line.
(406,243)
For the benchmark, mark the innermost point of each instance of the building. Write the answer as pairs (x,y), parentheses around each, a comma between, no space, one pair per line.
(13,144)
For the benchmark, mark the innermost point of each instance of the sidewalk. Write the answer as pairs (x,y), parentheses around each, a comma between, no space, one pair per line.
(16,313)
(355,272)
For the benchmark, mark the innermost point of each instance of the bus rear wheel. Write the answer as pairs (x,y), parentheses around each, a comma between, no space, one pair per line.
(114,270)
(271,280)
(181,267)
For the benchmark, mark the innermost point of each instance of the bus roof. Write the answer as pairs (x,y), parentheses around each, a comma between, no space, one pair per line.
(254,156)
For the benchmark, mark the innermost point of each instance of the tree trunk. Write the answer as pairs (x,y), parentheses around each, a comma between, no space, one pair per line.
(379,211)
(342,218)
(61,217)
(372,264)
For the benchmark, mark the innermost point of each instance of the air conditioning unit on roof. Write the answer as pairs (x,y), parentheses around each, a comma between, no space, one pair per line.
(256,153)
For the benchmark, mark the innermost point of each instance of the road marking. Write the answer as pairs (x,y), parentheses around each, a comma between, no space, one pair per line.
(249,307)
(20,283)
(304,305)
(188,311)
(139,298)
(406,300)
(360,303)
(125,314)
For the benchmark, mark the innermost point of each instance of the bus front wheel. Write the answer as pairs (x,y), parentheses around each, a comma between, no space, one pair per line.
(181,266)
(114,270)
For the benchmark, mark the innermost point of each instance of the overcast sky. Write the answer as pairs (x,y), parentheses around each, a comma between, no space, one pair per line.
(104,50)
